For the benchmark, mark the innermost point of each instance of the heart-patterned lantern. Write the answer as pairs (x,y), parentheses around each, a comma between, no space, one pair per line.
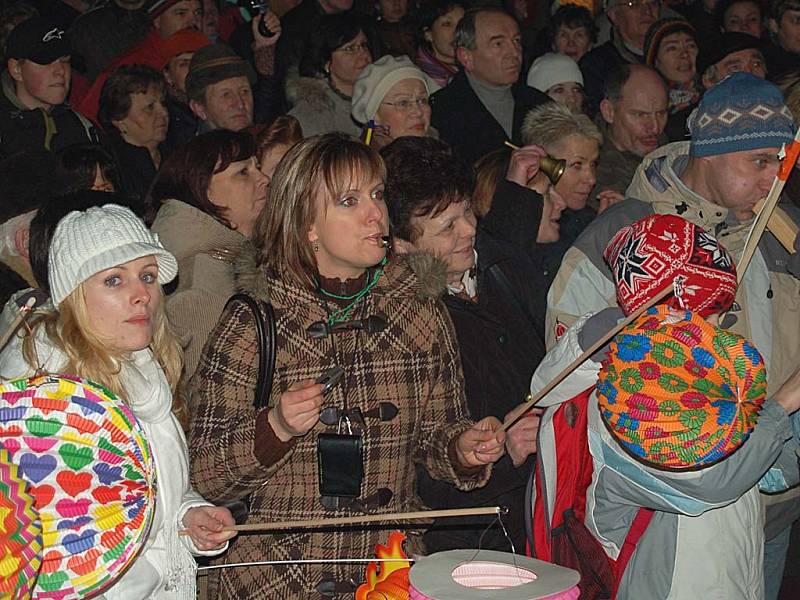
(20,533)
(92,476)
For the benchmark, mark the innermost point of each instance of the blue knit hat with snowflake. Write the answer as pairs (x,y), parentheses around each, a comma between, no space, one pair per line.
(742,112)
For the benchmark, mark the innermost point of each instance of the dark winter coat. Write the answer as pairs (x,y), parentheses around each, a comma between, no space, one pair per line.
(466,124)
(23,129)
(501,345)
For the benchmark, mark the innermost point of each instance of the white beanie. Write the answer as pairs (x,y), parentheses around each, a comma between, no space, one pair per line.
(377,79)
(99,238)
(551,69)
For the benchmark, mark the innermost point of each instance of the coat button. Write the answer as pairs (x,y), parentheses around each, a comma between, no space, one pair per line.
(502,338)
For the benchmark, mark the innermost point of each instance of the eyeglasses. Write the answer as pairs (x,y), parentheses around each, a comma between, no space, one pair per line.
(405,105)
(353,48)
(640,4)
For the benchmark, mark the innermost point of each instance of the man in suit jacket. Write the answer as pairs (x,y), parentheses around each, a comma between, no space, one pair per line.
(484,105)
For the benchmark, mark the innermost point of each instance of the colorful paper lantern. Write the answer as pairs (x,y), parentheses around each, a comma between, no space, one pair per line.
(20,533)
(92,476)
(679,393)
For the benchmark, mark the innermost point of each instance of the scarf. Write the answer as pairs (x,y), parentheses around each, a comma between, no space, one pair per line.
(682,95)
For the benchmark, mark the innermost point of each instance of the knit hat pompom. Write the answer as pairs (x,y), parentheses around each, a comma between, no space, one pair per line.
(680,393)
(742,112)
(658,31)
(656,251)
(99,238)
(377,79)
(551,69)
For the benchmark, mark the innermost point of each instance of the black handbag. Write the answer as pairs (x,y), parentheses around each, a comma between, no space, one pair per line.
(264,317)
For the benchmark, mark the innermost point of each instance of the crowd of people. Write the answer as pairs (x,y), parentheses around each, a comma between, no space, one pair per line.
(447,200)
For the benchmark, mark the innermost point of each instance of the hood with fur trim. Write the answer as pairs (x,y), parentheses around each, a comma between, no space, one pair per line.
(431,273)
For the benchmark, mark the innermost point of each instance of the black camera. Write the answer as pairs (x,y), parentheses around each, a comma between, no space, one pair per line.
(255,8)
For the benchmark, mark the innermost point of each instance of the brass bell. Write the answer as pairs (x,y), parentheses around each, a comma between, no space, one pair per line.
(552,167)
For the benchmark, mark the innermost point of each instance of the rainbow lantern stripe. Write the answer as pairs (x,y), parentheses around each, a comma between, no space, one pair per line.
(680,393)
(92,476)
(20,533)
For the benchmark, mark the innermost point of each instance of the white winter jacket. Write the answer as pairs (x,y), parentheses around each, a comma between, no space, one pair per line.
(165,569)
(706,537)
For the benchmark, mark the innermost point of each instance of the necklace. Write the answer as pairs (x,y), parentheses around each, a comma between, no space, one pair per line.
(342,314)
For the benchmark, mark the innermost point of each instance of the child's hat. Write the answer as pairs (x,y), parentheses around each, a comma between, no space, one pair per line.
(659,250)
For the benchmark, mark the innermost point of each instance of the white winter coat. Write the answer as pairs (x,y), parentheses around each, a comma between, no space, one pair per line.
(165,569)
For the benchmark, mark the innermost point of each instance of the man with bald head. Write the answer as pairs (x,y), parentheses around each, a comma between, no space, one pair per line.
(634,111)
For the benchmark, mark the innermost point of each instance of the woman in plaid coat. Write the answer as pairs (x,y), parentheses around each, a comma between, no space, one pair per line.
(324,269)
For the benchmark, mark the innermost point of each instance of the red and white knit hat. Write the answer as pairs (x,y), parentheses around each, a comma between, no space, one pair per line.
(648,255)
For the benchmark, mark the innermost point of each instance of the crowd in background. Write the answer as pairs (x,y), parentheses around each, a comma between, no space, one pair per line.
(270,147)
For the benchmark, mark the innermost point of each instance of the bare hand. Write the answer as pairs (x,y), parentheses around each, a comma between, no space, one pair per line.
(205,524)
(297,410)
(521,437)
(524,164)
(608,197)
(788,396)
(273,23)
(479,445)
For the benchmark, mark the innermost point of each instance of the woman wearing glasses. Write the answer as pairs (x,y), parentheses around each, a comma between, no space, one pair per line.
(393,93)
(320,97)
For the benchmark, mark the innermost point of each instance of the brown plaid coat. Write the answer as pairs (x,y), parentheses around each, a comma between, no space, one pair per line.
(413,363)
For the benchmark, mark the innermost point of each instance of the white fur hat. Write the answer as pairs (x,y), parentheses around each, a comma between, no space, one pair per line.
(377,79)
(551,69)
(99,238)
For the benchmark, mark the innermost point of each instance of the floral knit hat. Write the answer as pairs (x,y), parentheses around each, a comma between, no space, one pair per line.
(648,255)
(680,393)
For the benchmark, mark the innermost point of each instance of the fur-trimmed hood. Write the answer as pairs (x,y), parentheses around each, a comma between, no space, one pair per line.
(310,90)
(430,271)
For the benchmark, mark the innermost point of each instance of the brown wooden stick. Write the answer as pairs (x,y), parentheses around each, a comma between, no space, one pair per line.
(764,215)
(782,226)
(510,145)
(357,520)
(586,355)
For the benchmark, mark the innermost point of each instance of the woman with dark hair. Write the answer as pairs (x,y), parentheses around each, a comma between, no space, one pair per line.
(335,57)
(572,31)
(670,47)
(325,270)
(134,117)
(87,167)
(744,16)
(436,29)
(491,297)
(274,141)
(205,201)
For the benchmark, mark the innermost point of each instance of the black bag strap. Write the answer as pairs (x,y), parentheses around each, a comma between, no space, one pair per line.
(504,283)
(264,317)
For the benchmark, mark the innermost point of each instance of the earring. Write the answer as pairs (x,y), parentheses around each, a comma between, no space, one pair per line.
(315,246)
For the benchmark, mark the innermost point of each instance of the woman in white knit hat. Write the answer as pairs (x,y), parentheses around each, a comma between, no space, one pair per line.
(558,76)
(106,270)
(394,94)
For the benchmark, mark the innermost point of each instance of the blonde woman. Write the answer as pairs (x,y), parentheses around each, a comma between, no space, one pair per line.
(108,325)
(325,271)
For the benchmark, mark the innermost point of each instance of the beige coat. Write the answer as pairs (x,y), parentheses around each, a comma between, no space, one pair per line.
(205,250)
